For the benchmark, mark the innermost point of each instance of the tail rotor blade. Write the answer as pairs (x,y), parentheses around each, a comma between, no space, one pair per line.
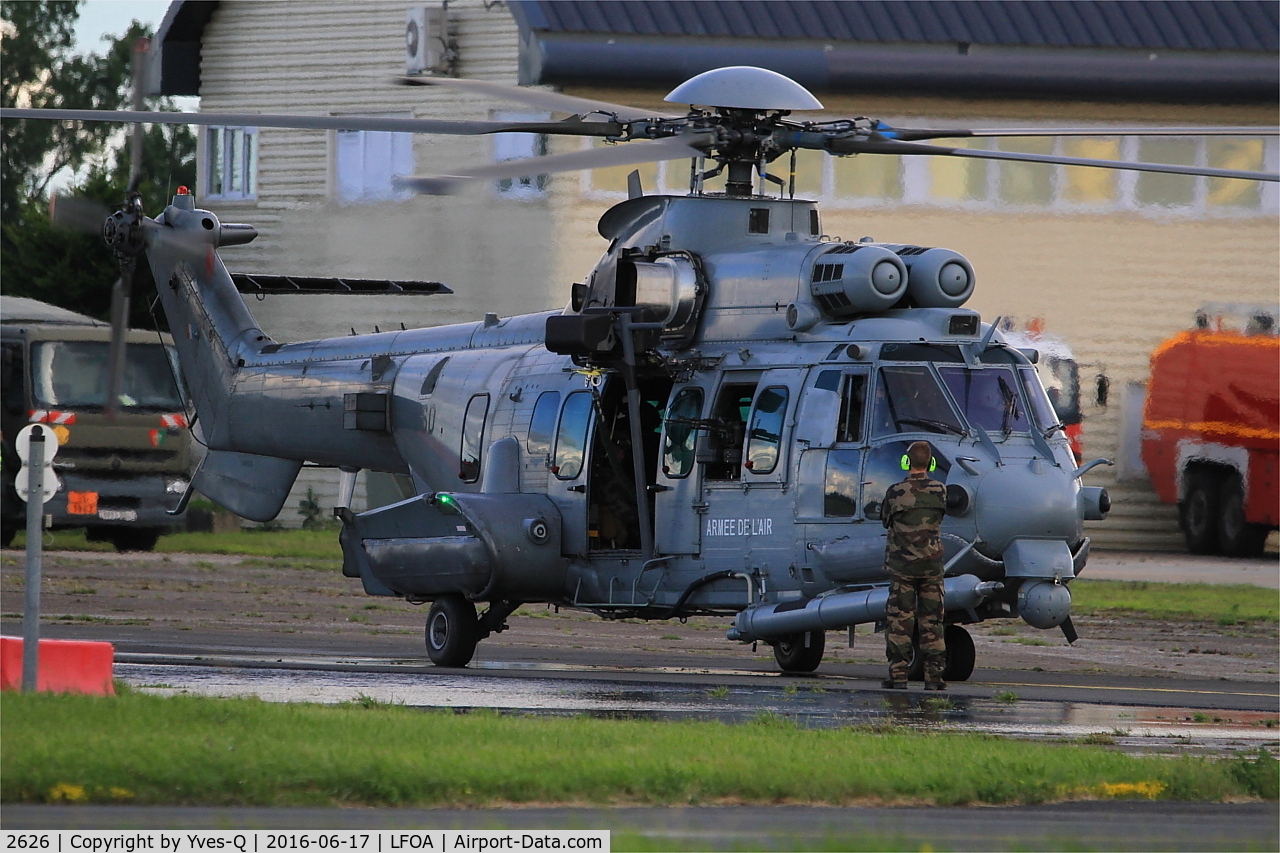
(120,299)
(73,213)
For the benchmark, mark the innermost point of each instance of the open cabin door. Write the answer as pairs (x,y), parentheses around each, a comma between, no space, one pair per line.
(677,524)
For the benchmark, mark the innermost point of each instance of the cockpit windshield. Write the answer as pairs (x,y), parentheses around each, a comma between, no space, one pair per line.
(988,396)
(909,399)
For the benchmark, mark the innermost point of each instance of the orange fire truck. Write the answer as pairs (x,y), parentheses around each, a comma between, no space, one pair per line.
(1211,428)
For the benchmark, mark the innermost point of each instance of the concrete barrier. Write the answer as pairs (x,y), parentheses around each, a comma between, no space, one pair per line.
(66,666)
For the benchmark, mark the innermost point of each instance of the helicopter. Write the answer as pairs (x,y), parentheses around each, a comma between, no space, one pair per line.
(707,427)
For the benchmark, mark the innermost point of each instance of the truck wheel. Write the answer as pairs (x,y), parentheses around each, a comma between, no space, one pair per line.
(1237,536)
(793,655)
(1200,515)
(135,538)
(452,631)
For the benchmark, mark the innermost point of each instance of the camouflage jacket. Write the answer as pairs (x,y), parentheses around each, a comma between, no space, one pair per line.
(912,511)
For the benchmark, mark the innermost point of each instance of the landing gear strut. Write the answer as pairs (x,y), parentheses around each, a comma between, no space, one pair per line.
(454,629)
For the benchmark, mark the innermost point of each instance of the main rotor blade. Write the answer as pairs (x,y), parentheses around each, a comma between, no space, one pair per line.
(672,148)
(908,134)
(535,97)
(893,146)
(569,127)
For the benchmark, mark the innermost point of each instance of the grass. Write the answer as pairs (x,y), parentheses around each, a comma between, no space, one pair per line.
(1218,603)
(146,749)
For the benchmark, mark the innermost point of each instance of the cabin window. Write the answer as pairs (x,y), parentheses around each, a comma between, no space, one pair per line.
(681,433)
(909,399)
(542,424)
(432,377)
(231,162)
(840,495)
(988,397)
(720,447)
(473,438)
(853,399)
(764,436)
(814,227)
(571,436)
(758,220)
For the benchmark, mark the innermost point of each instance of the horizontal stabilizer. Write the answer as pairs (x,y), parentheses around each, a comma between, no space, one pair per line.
(290,284)
(251,486)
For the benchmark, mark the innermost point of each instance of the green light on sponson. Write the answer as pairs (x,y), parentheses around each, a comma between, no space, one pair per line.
(447,503)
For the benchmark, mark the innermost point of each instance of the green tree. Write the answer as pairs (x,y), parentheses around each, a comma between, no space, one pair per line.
(57,265)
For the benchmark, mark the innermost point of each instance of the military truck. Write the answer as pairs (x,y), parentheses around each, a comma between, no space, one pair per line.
(117,475)
(1211,428)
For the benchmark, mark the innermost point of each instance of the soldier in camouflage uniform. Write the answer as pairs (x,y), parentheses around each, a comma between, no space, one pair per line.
(912,512)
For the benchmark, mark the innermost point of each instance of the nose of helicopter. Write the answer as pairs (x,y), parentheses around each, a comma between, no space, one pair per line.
(1026,500)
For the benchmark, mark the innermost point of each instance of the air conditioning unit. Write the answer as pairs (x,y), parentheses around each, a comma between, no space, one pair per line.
(420,54)
(428,46)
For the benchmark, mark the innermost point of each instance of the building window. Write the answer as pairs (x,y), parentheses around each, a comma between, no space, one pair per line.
(231,162)
(520,146)
(366,161)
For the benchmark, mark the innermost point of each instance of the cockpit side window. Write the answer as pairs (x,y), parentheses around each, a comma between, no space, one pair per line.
(765,433)
(909,399)
(853,400)
(988,396)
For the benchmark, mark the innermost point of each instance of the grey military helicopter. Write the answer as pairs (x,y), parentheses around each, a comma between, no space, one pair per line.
(707,427)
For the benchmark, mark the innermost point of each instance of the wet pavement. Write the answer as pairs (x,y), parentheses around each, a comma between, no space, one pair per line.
(809,702)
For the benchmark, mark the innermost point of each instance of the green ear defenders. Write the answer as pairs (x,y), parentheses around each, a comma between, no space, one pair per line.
(906,463)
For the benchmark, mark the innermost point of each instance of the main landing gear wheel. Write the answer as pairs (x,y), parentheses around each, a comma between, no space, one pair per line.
(961,656)
(800,652)
(452,631)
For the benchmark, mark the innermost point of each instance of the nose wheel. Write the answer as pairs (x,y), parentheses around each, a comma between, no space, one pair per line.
(452,631)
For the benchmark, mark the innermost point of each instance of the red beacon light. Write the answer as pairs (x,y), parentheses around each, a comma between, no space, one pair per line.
(183,199)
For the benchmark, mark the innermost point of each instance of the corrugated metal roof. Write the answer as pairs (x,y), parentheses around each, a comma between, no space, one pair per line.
(20,309)
(1208,25)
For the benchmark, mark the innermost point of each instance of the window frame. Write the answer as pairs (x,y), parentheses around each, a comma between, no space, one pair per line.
(216,155)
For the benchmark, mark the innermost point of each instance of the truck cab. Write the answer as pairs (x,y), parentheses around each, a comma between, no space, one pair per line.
(117,476)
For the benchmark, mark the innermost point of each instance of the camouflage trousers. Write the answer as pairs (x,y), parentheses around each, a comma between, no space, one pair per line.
(915,603)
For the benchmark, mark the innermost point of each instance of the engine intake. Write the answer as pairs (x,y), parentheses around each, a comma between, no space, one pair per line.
(857,279)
